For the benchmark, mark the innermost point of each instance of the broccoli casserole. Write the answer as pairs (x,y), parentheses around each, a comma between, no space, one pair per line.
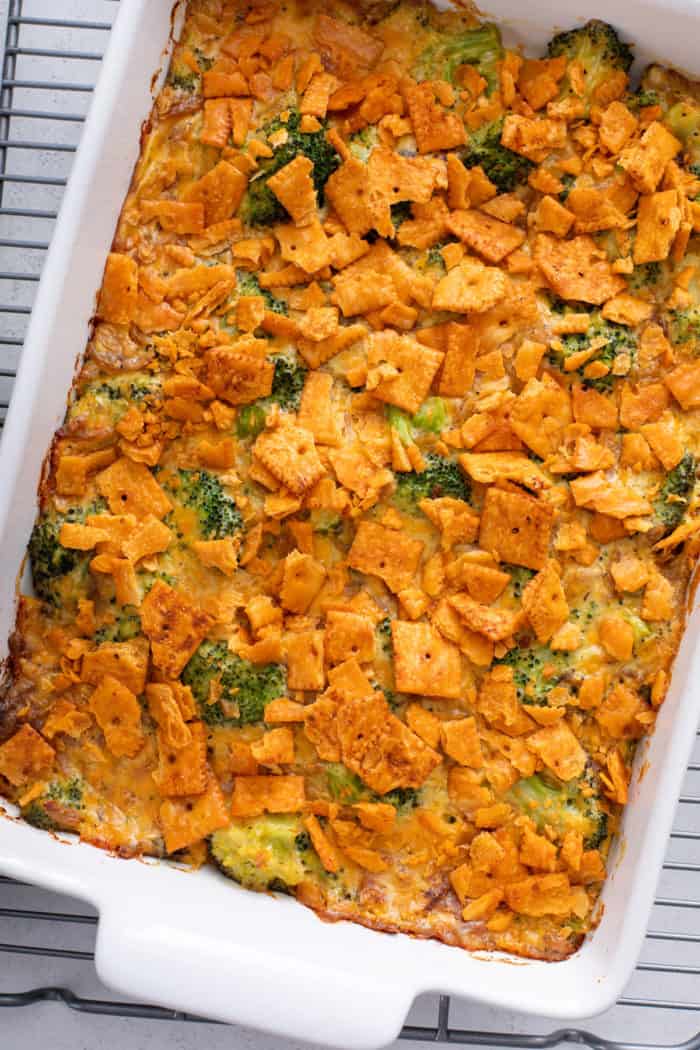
(363,550)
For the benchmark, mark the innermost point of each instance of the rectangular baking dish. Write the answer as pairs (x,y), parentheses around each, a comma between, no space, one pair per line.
(191,940)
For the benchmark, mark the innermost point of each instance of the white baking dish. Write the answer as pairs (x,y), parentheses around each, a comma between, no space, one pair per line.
(195,941)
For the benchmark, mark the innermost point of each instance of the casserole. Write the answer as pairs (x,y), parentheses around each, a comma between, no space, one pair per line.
(407,950)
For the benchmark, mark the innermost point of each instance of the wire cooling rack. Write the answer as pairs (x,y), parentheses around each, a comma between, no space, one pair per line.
(51,57)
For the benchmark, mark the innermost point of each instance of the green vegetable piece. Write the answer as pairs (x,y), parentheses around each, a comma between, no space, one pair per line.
(432,415)
(684,327)
(505,168)
(271,852)
(598,48)
(574,806)
(260,207)
(480,47)
(244,688)
(618,339)
(441,477)
(60,575)
(250,420)
(217,512)
(126,625)
(536,671)
(676,492)
(343,785)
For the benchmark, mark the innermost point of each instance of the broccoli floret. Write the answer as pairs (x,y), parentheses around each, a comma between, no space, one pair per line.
(363,142)
(247,284)
(479,47)
(49,811)
(102,404)
(568,181)
(598,48)
(644,276)
(676,492)
(384,632)
(203,61)
(520,577)
(403,798)
(260,207)
(434,258)
(503,167)
(184,80)
(432,416)
(641,99)
(242,689)
(67,792)
(217,514)
(347,788)
(536,671)
(36,815)
(683,119)
(400,212)
(618,339)
(441,477)
(684,326)
(272,852)
(326,522)
(57,571)
(287,382)
(126,625)
(576,805)
(344,786)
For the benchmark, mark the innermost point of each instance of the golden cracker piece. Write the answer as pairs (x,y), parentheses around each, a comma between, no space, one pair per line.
(125,661)
(183,770)
(190,819)
(487,236)
(577,269)
(317,411)
(403,369)
(360,206)
(302,580)
(399,178)
(118,714)
(470,287)
(494,624)
(460,740)
(348,636)
(545,603)
(220,191)
(305,652)
(130,488)
(516,528)
(25,756)
(289,452)
(424,662)
(174,626)
(294,189)
(379,748)
(559,749)
(255,795)
(435,128)
(487,467)
(386,553)
(645,161)
(307,246)
(658,221)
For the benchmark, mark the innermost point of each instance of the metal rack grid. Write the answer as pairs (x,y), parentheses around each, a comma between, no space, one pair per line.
(48,70)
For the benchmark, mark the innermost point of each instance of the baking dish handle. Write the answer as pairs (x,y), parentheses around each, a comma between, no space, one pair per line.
(143,956)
